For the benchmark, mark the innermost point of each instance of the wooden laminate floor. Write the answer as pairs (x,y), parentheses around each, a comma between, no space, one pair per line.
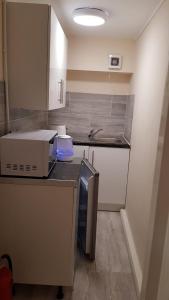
(108,278)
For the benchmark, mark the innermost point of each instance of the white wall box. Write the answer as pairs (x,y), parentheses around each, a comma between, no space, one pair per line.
(115,61)
(112,165)
(36,57)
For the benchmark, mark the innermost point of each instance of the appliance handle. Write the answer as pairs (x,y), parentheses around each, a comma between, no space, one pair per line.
(92,157)
(84,153)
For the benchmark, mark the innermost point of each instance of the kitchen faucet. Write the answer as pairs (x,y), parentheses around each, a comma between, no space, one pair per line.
(93,132)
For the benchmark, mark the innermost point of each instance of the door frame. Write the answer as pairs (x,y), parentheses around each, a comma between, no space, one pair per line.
(158,238)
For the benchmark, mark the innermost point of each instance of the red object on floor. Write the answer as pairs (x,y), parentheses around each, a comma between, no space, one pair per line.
(5,284)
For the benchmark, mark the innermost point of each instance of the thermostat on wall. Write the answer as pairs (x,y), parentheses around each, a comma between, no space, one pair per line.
(115,61)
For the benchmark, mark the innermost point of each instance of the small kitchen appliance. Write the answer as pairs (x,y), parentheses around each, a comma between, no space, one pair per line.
(63,148)
(27,153)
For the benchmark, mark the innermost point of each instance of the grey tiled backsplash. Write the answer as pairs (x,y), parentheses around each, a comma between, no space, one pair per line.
(20,119)
(85,111)
(129,117)
(27,120)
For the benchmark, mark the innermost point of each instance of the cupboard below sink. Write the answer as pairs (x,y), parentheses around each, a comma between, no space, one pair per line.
(112,165)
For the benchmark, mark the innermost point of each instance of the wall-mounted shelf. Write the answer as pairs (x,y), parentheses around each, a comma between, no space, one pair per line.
(109,82)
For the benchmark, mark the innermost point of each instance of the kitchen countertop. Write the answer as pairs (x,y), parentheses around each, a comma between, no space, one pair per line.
(66,170)
(84,140)
(63,174)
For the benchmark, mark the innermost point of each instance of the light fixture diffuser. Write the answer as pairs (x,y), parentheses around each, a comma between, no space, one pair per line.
(88,16)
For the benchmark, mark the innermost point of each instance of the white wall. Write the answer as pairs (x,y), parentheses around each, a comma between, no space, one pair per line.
(91,54)
(90,57)
(99,82)
(157,250)
(149,84)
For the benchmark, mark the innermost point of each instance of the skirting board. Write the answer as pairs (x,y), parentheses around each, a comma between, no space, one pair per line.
(135,264)
(110,206)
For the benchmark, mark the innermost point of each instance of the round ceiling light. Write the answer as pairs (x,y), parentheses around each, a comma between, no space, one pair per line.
(88,16)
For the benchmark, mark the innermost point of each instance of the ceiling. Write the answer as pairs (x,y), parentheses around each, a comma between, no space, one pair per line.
(127,18)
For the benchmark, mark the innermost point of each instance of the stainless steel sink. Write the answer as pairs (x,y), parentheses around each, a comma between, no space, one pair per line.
(108,140)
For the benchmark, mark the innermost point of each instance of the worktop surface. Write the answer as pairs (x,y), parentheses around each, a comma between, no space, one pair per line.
(63,174)
(66,170)
(101,142)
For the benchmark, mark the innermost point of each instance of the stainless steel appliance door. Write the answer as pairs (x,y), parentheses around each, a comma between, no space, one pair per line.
(88,201)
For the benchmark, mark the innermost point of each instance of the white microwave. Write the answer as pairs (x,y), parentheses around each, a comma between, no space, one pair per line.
(27,153)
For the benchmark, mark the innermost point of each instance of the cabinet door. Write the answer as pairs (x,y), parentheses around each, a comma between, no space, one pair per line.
(27,54)
(62,63)
(81,151)
(58,62)
(40,236)
(36,57)
(112,164)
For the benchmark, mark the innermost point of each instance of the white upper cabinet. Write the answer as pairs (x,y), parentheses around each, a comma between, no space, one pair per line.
(36,57)
(57,69)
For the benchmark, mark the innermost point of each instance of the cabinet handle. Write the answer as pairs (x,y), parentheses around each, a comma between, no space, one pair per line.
(92,157)
(59,94)
(62,86)
(60,90)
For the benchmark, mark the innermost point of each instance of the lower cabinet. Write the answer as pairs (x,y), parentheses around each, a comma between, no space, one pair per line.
(81,151)
(112,165)
(38,224)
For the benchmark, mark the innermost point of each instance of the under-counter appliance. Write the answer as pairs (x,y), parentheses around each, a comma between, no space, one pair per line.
(27,153)
(88,202)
